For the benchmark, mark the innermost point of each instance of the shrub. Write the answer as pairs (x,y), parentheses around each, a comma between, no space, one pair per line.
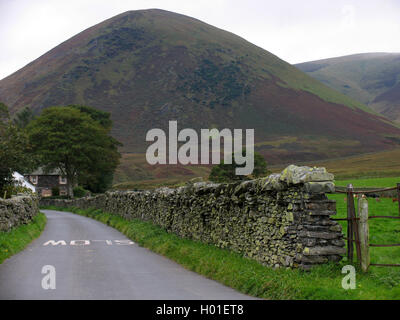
(55,191)
(79,192)
(10,190)
(226,172)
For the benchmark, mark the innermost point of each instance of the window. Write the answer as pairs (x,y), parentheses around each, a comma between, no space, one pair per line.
(63,192)
(33,179)
(62,180)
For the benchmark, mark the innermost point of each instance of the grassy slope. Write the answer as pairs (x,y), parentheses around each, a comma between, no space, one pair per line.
(362,77)
(18,238)
(248,276)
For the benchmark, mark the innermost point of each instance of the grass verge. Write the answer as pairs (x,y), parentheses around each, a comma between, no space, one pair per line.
(246,275)
(18,238)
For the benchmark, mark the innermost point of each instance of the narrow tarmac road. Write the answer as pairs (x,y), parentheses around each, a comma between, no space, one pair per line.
(94,261)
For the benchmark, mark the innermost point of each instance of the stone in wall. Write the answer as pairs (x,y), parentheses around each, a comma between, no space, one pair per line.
(17,210)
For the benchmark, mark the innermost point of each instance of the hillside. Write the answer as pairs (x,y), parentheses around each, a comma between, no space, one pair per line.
(150,66)
(367,165)
(371,78)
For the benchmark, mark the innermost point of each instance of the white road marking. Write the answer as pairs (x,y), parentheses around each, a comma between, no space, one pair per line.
(87,242)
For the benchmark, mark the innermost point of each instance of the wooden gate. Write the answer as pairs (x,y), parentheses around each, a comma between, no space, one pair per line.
(358,228)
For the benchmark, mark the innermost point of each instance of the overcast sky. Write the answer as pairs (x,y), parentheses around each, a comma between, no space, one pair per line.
(294,30)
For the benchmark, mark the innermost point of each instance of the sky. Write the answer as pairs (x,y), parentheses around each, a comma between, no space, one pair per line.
(294,30)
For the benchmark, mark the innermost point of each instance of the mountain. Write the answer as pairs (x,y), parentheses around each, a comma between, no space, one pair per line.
(150,66)
(371,78)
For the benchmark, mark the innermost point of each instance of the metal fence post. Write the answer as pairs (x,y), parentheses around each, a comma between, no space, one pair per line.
(350,201)
(398,196)
(363,231)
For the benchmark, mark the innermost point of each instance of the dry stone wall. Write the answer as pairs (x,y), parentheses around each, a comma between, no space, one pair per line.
(281,220)
(16,211)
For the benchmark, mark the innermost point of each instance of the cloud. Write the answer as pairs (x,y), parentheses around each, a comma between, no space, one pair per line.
(348,17)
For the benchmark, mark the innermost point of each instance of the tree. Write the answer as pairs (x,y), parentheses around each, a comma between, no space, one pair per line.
(15,149)
(23,118)
(101,179)
(70,140)
(102,117)
(226,172)
(260,166)
(4,114)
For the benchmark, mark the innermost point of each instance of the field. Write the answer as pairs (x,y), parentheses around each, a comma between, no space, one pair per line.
(135,173)
(387,182)
(370,165)
(382,231)
(381,169)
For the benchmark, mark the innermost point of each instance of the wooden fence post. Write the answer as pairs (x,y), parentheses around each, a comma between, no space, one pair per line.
(350,204)
(398,196)
(356,233)
(363,231)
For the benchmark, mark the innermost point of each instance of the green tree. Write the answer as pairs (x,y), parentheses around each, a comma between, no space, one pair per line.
(101,179)
(227,172)
(260,166)
(224,173)
(15,150)
(4,115)
(70,140)
(102,117)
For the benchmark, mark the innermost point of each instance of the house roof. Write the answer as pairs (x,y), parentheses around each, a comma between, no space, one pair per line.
(41,172)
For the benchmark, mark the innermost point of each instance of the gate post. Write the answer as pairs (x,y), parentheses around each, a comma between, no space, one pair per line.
(363,229)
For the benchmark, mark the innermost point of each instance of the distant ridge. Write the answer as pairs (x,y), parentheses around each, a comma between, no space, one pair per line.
(371,78)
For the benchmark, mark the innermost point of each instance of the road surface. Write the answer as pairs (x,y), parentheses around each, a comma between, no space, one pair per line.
(94,261)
